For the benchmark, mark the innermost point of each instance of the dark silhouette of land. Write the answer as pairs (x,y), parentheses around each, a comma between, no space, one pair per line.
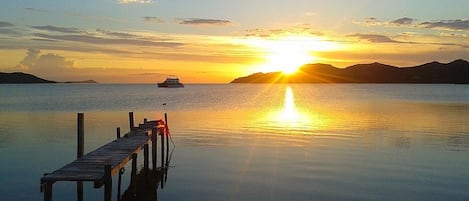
(434,72)
(84,81)
(19,78)
(24,78)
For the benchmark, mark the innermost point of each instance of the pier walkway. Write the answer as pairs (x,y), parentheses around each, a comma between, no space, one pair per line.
(100,165)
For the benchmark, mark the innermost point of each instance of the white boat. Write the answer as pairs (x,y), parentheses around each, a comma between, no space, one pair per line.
(171,82)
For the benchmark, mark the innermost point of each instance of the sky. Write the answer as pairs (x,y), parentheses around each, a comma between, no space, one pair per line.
(215,41)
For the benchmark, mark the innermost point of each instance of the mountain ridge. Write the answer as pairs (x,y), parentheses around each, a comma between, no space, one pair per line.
(456,71)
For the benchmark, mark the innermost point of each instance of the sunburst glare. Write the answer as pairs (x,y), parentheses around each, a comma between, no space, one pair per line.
(288,53)
(289,115)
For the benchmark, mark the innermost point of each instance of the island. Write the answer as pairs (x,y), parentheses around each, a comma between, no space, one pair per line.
(456,72)
(21,78)
(24,78)
(84,81)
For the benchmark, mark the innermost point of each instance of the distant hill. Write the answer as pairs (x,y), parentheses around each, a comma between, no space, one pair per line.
(21,78)
(84,81)
(434,72)
(24,78)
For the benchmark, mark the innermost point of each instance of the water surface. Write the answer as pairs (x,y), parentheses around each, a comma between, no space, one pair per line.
(253,142)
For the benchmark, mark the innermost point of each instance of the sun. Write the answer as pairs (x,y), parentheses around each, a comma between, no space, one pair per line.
(288,58)
(287,54)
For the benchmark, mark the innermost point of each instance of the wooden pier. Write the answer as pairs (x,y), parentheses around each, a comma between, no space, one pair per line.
(100,165)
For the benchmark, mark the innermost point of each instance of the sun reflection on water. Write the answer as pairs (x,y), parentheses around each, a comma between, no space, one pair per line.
(290,115)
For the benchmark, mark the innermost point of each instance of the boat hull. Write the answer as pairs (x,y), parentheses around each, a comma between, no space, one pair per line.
(171,82)
(165,85)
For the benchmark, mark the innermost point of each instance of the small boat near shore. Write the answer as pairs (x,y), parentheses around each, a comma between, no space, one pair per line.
(171,82)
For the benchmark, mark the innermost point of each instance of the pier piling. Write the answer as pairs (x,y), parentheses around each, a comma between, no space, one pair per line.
(80,135)
(133,179)
(47,191)
(162,149)
(167,137)
(107,183)
(154,137)
(131,120)
(80,150)
(100,165)
(145,156)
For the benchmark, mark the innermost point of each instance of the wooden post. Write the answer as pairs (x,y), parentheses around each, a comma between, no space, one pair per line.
(79,191)
(107,183)
(119,184)
(145,157)
(162,156)
(166,174)
(161,178)
(162,149)
(154,137)
(80,150)
(118,132)
(80,135)
(167,137)
(133,176)
(131,120)
(48,191)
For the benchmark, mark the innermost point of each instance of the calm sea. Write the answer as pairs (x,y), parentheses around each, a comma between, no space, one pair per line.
(252,142)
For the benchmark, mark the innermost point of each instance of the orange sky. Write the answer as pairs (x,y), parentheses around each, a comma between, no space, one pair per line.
(135,41)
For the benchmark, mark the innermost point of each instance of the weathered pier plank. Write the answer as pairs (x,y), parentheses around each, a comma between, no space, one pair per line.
(101,164)
(117,153)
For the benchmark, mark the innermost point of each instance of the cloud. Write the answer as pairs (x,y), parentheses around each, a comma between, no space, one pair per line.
(374,38)
(203,22)
(117,34)
(50,62)
(146,74)
(155,20)
(453,25)
(108,41)
(402,21)
(59,29)
(31,57)
(7,28)
(372,21)
(450,25)
(300,29)
(134,1)
(34,61)
(8,32)
(369,21)
(36,9)
(5,24)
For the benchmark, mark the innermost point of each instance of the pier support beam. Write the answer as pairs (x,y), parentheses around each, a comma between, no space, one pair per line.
(133,176)
(80,134)
(107,183)
(167,138)
(119,184)
(145,157)
(154,137)
(80,150)
(131,120)
(48,191)
(162,149)
(118,132)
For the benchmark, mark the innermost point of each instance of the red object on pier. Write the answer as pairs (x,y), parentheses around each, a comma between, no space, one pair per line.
(162,127)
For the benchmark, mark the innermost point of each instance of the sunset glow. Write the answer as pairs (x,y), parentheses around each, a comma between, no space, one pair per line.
(287,53)
(144,41)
